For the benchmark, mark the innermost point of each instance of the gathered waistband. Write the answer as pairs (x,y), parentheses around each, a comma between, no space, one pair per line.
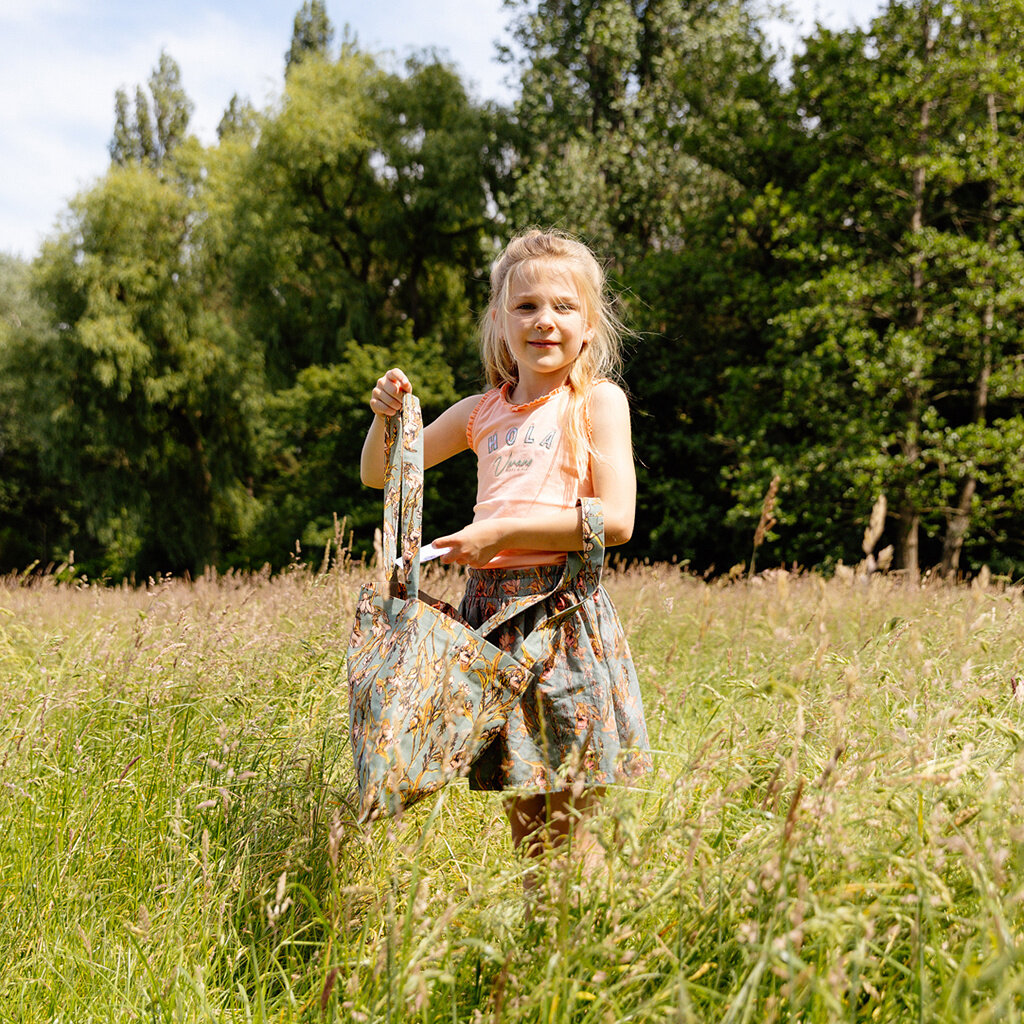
(552,573)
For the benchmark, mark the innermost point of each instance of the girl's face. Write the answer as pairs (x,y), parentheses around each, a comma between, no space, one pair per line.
(545,324)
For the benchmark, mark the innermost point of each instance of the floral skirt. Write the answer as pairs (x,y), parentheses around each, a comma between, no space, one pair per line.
(582,719)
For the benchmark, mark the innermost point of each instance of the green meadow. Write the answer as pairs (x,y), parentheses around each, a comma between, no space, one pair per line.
(833,830)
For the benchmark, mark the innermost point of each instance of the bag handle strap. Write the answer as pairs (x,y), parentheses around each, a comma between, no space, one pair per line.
(403,493)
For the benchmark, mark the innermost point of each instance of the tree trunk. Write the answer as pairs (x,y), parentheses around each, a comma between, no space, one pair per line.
(910,519)
(956,527)
(958,521)
(907,543)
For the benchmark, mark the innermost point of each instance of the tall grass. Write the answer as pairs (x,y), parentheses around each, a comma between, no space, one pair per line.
(832,832)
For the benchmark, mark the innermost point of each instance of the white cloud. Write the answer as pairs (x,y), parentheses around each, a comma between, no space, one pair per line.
(61,70)
(62,107)
(465,33)
(806,13)
(20,13)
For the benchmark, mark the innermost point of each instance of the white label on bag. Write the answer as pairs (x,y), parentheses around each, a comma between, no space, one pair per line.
(428,552)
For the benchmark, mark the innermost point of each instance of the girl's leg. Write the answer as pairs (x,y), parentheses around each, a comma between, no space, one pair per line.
(548,820)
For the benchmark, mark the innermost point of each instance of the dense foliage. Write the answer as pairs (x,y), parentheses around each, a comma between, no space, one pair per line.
(822,266)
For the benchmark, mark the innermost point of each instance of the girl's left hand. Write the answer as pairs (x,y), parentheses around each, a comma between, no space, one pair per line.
(474,545)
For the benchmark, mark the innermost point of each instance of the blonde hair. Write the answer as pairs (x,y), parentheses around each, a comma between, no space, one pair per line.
(599,358)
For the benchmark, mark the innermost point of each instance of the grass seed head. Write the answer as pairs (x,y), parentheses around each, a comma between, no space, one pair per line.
(767,520)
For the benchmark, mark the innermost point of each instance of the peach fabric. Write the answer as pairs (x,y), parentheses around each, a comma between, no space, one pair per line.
(524,467)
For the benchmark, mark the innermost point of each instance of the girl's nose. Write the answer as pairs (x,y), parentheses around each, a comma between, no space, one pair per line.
(544,317)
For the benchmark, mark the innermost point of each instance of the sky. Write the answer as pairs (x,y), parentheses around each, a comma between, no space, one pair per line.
(63,60)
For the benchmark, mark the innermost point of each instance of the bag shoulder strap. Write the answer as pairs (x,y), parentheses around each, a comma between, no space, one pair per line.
(403,493)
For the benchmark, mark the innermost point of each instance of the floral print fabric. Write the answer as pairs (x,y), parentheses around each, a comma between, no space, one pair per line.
(424,692)
(581,715)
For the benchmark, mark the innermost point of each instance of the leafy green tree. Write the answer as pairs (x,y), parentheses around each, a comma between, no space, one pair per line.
(148,406)
(361,226)
(312,34)
(146,145)
(159,123)
(31,501)
(239,120)
(172,107)
(124,145)
(309,453)
(906,301)
(633,112)
(363,213)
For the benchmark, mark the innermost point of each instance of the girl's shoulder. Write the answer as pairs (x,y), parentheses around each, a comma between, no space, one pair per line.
(607,389)
(607,409)
(606,396)
(465,406)
(446,436)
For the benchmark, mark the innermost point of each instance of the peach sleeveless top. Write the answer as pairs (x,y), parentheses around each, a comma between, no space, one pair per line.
(524,466)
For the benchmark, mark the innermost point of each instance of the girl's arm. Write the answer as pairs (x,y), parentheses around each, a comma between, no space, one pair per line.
(614,483)
(612,467)
(442,439)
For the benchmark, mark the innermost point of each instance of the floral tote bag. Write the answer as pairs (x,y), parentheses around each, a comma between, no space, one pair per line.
(427,692)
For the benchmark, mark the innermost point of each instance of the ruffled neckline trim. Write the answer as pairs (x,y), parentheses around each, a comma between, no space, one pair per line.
(506,392)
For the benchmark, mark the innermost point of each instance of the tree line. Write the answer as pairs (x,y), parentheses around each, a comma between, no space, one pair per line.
(820,264)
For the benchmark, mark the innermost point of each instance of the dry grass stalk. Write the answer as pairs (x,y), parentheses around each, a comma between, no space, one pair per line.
(378,554)
(767,520)
(842,790)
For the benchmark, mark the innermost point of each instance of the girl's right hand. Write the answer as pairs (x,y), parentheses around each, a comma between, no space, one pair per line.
(386,398)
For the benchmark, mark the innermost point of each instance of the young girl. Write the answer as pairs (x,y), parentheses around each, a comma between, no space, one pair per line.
(552,429)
